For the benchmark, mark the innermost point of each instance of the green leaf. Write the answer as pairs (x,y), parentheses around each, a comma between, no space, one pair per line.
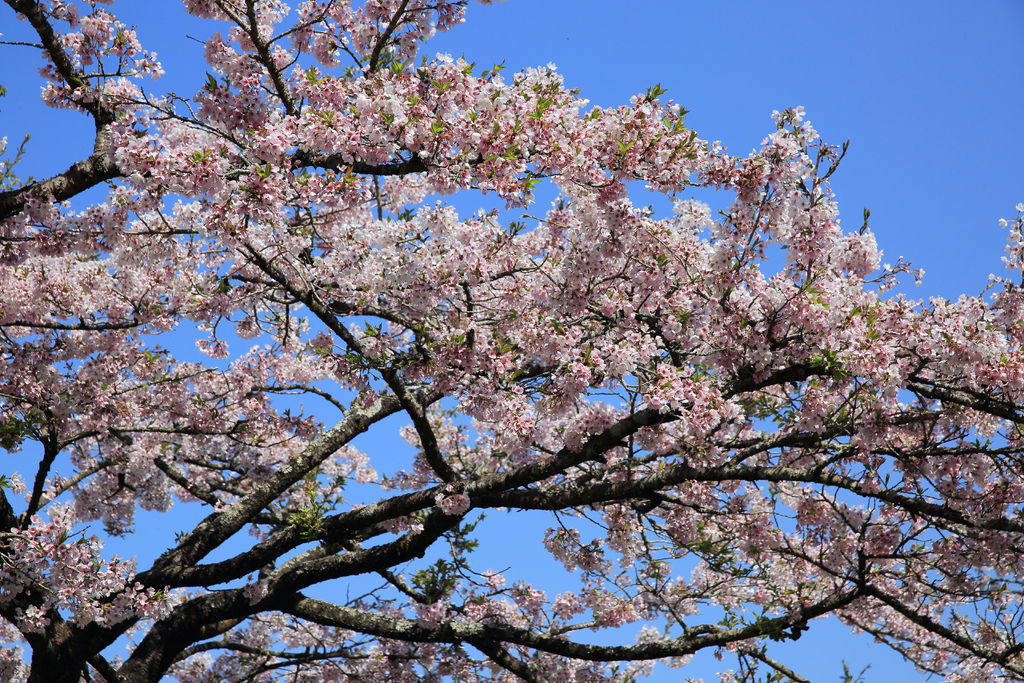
(654,91)
(493,71)
(543,104)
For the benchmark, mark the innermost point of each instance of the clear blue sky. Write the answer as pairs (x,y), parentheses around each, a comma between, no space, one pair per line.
(931,95)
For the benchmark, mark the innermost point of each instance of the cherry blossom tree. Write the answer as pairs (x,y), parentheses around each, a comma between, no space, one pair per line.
(729,422)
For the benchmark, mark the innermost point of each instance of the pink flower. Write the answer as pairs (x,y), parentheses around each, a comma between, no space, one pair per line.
(452,503)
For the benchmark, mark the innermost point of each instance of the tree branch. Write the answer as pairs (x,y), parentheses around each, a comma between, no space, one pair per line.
(82,175)
(337,162)
(452,631)
(382,40)
(220,525)
(924,621)
(78,178)
(502,658)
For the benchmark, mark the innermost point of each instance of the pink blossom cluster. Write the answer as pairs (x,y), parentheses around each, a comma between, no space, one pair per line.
(68,570)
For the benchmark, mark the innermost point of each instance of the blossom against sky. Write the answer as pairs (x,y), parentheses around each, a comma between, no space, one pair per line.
(930,99)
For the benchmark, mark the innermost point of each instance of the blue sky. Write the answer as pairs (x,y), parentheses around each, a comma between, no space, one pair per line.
(929,93)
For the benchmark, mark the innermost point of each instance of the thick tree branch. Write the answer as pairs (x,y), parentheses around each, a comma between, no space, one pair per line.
(452,631)
(962,396)
(218,526)
(368,560)
(505,660)
(338,162)
(206,616)
(82,175)
(78,178)
(564,496)
(104,668)
(50,453)
(211,614)
(336,528)
(8,520)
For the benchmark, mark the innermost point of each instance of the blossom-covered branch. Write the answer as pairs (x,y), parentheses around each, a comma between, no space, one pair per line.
(722,426)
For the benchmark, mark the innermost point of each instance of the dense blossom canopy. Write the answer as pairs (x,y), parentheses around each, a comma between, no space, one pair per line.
(729,425)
